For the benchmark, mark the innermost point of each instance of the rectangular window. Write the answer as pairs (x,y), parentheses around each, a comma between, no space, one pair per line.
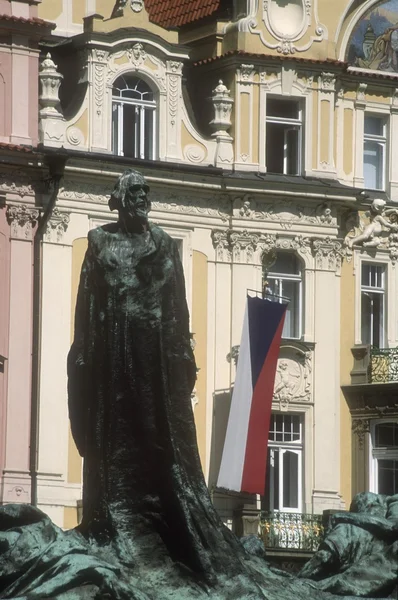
(285,281)
(373,308)
(384,475)
(284,464)
(374,152)
(284,136)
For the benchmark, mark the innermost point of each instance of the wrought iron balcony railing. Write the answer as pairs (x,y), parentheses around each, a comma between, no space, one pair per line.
(291,531)
(383,365)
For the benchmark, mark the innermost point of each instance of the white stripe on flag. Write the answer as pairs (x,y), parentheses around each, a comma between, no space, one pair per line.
(233,458)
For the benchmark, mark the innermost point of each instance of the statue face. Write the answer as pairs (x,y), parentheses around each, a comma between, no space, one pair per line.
(136,204)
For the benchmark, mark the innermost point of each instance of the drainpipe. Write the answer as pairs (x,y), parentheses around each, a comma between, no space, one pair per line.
(56,166)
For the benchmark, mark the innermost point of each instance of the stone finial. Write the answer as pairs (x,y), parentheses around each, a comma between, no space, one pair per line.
(50,81)
(222,103)
(52,123)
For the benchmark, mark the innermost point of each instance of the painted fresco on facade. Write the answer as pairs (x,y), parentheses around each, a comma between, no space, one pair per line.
(374,42)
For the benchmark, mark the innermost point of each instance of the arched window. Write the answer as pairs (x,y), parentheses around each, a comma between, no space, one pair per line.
(282,278)
(133,118)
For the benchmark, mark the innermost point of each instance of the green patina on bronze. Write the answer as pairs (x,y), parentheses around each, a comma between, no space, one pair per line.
(149,529)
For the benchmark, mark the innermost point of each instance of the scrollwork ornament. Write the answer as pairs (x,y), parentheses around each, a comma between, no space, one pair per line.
(57,226)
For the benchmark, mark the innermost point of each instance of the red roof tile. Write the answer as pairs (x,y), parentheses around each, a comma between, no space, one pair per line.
(4,146)
(174,13)
(277,57)
(33,21)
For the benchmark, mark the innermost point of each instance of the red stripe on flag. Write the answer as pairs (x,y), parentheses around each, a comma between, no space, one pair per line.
(253,476)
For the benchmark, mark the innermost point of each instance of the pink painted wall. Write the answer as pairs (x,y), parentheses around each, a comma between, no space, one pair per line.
(5,7)
(5,96)
(20,364)
(33,99)
(4,324)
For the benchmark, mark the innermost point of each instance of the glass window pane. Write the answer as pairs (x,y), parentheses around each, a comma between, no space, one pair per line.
(282,108)
(387,476)
(386,435)
(275,498)
(286,263)
(115,128)
(373,165)
(148,133)
(291,290)
(130,123)
(292,137)
(372,319)
(275,147)
(374,126)
(290,479)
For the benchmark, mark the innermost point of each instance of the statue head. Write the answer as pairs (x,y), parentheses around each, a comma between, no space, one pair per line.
(378,206)
(129,197)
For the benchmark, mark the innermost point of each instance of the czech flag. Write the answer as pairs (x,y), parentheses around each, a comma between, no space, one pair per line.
(244,458)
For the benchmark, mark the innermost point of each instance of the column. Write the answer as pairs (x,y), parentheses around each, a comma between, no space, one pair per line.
(16,475)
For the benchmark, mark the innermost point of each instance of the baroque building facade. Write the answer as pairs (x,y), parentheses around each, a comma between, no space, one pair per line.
(266,132)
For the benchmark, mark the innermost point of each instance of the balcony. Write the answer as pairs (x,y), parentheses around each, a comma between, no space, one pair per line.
(383,365)
(291,531)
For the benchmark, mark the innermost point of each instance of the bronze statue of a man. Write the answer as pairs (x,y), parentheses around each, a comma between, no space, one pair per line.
(131,374)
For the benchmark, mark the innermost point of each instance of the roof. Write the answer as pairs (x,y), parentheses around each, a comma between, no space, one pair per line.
(21,20)
(175,13)
(279,57)
(17,148)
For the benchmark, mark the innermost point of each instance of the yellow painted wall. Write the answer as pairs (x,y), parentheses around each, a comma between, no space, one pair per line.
(199,328)
(70,517)
(50,10)
(78,11)
(104,8)
(347,339)
(74,459)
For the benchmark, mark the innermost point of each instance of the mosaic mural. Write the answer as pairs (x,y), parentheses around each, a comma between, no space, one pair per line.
(374,41)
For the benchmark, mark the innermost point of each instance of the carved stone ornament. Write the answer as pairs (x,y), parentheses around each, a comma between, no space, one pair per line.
(56,226)
(51,120)
(328,254)
(287,22)
(286,214)
(360,428)
(293,382)
(378,228)
(250,246)
(222,104)
(327,82)
(137,5)
(360,101)
(22,220)
(246,73)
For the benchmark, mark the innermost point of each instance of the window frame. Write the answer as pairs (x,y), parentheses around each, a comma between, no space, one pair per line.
(298,124)
(382,141)
(367,289)
(376,454)
(296,447)
(280,277)
(142,108)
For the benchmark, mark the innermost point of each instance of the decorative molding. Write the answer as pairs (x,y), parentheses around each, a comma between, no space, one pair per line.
(285,214)
(22,220)
(360,428)
(249,246)
(51,120)
(56,226)
(293,381)
(360,101)
(246,73)
(218,207)
(328,254)
(74,136)
(327,82)
(286,40)
(195,153)
(137,5)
